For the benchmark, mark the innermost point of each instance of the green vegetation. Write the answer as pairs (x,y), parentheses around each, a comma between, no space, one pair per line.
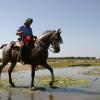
(95,72)
(72,61)
(61,81)
(44,81)
(3,85)
(67,62)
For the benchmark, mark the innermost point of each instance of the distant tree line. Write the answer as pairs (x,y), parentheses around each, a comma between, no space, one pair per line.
(72,57)
(67,58)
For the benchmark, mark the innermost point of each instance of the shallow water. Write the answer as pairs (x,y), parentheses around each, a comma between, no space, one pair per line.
(91,92)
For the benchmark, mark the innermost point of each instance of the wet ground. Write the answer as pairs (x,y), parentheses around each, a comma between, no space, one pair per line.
(23,91)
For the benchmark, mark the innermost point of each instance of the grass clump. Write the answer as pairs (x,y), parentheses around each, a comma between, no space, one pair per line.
(95,72)
(61,81)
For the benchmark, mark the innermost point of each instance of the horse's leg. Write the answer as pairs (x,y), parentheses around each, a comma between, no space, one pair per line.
(52,74)
(4,63)
(32,75)
(9,73)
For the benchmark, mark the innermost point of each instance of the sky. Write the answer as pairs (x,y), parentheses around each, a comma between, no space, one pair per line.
(78,19)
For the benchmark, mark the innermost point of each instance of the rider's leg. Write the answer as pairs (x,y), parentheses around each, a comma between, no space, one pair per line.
(23,50)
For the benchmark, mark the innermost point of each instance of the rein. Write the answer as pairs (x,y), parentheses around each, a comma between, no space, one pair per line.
(44,45)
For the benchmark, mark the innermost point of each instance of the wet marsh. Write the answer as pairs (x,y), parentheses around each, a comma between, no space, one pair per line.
(71,83)
(76,82)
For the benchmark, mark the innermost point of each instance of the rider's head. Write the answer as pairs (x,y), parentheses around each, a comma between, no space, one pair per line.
(28,21)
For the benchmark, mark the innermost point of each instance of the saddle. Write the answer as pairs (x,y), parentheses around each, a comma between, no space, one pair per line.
(16,45)
(27,41)
(24,47)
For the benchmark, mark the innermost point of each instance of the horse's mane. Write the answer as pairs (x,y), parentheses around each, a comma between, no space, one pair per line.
(53,31)
(49,31)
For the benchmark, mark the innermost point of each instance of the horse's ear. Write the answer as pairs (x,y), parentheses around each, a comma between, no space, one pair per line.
(59,30)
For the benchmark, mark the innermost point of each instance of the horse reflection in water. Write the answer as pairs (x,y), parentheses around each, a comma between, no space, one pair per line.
(33,96)
(37,56)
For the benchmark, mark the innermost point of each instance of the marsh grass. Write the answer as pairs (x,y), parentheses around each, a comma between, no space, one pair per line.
(73,62)
(59,63)
(4,85)
(61,81)
(94,72)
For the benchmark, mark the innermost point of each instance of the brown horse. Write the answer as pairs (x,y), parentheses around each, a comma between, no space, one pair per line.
(37,56)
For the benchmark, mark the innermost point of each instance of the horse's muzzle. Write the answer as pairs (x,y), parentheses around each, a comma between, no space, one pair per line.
(57,50)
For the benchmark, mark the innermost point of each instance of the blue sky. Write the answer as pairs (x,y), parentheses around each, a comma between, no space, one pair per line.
(79,20)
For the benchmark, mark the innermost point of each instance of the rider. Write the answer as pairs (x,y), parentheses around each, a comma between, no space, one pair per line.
(25,33)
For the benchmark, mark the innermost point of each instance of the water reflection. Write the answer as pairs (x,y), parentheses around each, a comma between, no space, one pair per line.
(27,96)
(9,98)
(48,96)
(9,95)
(30,97)
(51,97)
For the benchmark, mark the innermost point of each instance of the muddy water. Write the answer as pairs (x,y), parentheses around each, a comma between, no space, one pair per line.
(23,90)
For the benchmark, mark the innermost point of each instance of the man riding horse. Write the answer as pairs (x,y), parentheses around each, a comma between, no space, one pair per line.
(37,56)
(26,35)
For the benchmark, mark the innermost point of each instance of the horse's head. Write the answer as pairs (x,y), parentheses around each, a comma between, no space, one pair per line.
(56,40)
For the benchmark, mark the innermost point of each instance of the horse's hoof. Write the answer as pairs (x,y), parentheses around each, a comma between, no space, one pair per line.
(12,85)
(33,88)
(51,84)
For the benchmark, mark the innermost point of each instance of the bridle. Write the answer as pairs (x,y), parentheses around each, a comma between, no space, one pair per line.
(39,41)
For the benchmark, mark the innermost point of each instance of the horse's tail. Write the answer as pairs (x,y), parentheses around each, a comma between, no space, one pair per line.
(3,46)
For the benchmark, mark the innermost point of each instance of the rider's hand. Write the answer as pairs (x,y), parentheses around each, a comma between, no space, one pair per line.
(35,37)
(21,32)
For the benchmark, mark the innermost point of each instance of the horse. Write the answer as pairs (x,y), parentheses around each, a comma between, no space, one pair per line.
(37,56)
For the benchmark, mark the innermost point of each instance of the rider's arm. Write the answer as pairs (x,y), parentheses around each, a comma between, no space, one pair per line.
(19,33)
